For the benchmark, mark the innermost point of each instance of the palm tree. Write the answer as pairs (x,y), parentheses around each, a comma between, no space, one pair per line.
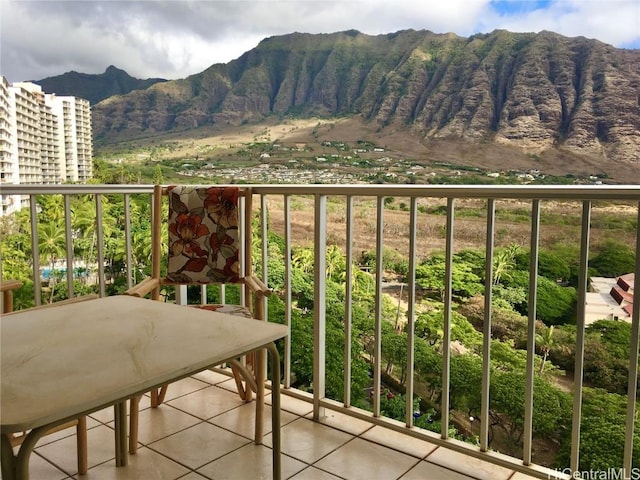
(335,261)
(504,262)
(83,221)
(304,259)
(360,280)
(141,240)
(51,208)
(545,342)
(52,245)
(83,213)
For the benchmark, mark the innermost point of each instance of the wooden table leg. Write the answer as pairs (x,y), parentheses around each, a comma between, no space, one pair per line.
(81,445)
(275,410)
(134,409)
(260,369)
(7,301)
(120,414)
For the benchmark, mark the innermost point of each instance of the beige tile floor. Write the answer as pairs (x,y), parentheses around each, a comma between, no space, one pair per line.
(204,431)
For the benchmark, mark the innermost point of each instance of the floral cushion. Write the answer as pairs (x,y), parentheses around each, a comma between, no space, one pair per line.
(203,235)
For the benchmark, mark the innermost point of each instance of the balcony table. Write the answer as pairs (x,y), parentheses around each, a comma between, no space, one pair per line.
(62,363)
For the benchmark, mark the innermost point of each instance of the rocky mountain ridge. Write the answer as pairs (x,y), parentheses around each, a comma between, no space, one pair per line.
(95,87)
(536,91)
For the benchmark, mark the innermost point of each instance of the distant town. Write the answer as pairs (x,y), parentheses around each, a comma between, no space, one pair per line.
(333,162)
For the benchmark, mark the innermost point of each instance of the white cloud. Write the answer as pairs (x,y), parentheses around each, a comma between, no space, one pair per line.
(614,21)
(174,39)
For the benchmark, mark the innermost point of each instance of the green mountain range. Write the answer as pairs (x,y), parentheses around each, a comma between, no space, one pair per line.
(95,88)
(533,91)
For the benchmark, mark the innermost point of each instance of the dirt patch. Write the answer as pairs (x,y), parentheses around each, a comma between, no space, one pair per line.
(564,382)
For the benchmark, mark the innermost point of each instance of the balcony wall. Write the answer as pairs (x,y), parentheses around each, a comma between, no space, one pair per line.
(308,214)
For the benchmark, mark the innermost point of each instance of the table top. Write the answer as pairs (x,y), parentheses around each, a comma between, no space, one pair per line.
(63,362)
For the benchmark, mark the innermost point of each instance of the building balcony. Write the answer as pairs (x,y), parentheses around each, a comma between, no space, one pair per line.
(201,432)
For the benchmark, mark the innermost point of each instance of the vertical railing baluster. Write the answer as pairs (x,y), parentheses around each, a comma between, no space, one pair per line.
(245,203)
(203,295)
(583,278)
(348,302)
(531,332)
(411,313)
(320,307)
(69,244)
(204,300)
(534,194)
(35,249)
(633,363)
(264,237)
(446,325)
(287,290)
(377,334)
(245,239)
(100,241)
(486,328)
(127,238)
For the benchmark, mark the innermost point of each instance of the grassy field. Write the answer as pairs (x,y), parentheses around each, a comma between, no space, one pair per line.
(560,224)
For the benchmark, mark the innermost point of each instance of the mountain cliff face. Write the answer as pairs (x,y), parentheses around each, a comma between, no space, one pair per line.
(536,91)
(95,87)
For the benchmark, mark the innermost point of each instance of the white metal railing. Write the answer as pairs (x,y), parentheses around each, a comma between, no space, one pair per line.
(536,195)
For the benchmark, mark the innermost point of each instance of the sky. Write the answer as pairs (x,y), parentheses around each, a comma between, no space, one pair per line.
(178,38)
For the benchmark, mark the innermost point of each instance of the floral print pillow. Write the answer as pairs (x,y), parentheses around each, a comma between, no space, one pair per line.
(203,235)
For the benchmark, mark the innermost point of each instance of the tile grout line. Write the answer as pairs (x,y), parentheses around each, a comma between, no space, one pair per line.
(213,394)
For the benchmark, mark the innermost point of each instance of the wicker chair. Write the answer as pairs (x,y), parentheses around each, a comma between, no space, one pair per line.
(204,247)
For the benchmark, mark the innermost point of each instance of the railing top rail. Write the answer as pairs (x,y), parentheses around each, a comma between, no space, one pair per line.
(73,189)
(550,192)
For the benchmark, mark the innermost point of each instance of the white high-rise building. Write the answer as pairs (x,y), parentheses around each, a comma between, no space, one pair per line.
(75,139)
(8,148)
(44,139)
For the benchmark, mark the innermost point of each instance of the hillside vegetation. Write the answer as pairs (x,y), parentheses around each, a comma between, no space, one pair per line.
(348,145)
(570,99)
(95,87)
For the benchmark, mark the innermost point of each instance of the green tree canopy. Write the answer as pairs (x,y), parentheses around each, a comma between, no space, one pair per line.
(607,353)
(556,304)
(430,275)
(612,259)
(551,265)
(602,432)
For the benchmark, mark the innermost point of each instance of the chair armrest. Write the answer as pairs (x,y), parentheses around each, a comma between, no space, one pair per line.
(6,288)
(82,298)
(257,286)
(143,288)
(7,285)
